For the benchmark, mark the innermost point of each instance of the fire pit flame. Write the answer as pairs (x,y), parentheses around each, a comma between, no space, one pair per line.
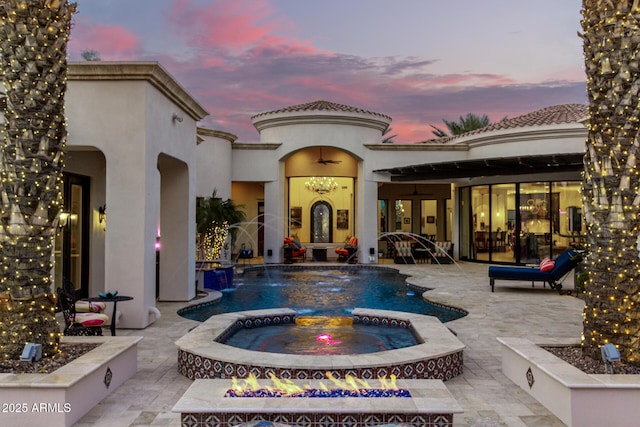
(350,387)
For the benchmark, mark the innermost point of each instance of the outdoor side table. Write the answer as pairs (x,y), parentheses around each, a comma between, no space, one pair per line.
(319,254)
(114,300)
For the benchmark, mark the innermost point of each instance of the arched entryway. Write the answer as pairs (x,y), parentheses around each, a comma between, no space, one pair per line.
(321,222)
(174,237)
(321,195)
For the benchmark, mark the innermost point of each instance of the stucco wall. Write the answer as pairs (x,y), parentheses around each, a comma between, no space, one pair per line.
(127,110)
(214,164)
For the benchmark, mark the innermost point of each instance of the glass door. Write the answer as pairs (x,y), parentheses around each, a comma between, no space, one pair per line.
(72,236)
(535,206)
(502,228)
(481,216)
(428,219)
(321,223)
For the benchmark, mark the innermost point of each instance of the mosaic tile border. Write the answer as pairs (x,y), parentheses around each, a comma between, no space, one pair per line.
(316,420)
(383,321)
(297,267)
(197,306)
(255,322)
(194,366)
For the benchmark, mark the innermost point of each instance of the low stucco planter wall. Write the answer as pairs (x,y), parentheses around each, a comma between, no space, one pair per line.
(576,398)
(62,397)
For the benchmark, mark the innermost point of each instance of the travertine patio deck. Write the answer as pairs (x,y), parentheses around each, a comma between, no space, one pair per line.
(486,396)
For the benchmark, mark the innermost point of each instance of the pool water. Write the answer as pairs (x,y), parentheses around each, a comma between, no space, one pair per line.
(322,336)
(321,293)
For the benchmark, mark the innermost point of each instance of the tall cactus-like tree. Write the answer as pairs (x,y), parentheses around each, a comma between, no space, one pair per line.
(611,184)
(33,44)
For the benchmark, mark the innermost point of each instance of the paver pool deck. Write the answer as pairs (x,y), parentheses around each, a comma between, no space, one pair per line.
(487,397)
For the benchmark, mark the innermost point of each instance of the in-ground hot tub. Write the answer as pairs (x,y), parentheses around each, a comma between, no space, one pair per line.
(322,335)
(202,354)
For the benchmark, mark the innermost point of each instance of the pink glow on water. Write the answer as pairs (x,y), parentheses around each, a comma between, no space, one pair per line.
(327,339)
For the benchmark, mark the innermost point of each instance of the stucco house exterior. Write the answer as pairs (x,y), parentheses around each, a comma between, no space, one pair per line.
(462,189)
(137,159)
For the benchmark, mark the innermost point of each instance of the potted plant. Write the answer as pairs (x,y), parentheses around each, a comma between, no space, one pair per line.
(214,217)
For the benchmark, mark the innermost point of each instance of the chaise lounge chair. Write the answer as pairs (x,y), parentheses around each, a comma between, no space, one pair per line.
(551,272)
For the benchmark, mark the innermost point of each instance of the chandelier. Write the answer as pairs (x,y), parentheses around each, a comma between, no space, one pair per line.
(321,185)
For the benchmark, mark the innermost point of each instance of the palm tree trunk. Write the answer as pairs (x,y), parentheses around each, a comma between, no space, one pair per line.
(33,40)
(611,178)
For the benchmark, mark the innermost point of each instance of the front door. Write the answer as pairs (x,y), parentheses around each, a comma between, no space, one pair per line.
(72,235)
(321,223)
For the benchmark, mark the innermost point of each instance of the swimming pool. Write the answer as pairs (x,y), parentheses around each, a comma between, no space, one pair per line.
(321,292)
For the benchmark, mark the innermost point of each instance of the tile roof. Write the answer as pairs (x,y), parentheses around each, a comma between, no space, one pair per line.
(321,105)
(557,114)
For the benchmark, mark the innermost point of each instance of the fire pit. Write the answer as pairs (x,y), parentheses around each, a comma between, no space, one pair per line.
(350,387)
(427,403)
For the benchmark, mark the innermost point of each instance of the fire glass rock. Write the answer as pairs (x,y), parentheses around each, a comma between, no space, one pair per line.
(319,393)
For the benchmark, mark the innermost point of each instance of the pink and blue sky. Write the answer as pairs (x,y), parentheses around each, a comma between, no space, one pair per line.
(418,61)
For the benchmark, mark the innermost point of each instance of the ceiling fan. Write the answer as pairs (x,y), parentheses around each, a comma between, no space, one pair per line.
(416,193)
(326,161)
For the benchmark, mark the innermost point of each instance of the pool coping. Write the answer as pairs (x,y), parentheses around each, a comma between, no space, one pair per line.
(439,355)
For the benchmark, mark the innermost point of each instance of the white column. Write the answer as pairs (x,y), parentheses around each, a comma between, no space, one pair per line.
(132,198)
(367,221)
(275,219)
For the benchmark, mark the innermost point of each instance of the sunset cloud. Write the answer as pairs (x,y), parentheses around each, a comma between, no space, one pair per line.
(110,41)
(231,26)
(242,57)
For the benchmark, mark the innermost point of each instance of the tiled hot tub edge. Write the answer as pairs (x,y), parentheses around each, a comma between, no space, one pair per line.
(438,356)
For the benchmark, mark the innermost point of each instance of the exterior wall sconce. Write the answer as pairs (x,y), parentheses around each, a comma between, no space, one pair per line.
(176,118)
(102,213)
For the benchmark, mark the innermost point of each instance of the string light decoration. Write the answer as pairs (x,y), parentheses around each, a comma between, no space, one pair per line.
(212,241)
(611,179)
(216,219)
(33,43)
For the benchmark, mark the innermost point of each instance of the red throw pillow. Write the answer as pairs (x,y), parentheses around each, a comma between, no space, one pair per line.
(547,265)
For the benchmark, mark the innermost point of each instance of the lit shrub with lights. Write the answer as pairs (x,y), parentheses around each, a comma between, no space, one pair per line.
(33,40)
